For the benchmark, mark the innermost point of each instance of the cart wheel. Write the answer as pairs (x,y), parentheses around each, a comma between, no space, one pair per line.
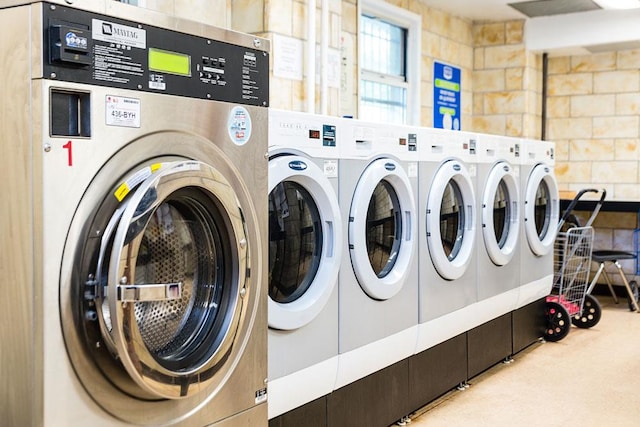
(558,321)
(636,293)
(591,313)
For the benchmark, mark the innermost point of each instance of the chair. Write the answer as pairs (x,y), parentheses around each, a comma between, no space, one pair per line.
(604,256)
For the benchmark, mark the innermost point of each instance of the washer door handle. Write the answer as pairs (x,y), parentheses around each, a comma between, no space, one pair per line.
(149,292)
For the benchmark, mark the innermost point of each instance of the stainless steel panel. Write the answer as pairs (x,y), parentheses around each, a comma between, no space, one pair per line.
(155,18)
(19,334)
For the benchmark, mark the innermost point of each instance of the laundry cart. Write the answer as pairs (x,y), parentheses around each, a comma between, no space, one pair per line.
(570,301)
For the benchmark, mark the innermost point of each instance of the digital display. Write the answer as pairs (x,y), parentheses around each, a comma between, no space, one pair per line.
(169,62)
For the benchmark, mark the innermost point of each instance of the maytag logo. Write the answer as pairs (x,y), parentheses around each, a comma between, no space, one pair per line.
(505,168)
(457,167)
(107,29)
(390,167)
(110,30)
(297,165)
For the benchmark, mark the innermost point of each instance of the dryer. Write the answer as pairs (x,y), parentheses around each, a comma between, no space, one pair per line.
(305,252)
(498,232)
(378,287)
(540,217)
(133,226)
(447,235)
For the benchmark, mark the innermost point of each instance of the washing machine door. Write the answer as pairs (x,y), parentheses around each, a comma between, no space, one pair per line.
(168,280)
(450,220)
(500,216)
(305,231)
(541,209)
(382,224)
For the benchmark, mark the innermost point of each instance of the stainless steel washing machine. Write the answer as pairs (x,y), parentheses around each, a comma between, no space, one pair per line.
(134,219)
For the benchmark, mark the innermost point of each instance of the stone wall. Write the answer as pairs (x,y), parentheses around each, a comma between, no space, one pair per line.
(507,82)
(593,108)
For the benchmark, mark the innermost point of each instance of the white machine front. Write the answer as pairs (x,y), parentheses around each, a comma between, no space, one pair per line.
(381,228)
(499,230)
(450,219)
(378,278)
(447,234)
(541,216)
(305,252)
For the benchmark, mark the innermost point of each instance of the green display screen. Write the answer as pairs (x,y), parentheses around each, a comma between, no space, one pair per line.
(169,62)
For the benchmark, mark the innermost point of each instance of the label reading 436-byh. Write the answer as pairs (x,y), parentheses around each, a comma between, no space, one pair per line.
(121,111)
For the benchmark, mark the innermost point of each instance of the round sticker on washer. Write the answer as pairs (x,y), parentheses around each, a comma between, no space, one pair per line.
(239,125)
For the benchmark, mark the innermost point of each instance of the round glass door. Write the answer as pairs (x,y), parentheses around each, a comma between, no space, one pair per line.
(381,228)
(384,228)
(163,288)
(450,220)
(500,218)
(541,209)
(295,241)
(304,249)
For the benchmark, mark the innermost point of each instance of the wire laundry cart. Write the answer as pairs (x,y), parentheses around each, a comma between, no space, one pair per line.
(570,301)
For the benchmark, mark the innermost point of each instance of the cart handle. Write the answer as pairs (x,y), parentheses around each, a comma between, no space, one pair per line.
(575,201)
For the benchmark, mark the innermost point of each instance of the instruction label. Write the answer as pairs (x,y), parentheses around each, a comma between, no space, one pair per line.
(112,61)
(446,97)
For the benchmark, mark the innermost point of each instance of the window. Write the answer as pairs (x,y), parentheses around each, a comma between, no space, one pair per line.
(389,56)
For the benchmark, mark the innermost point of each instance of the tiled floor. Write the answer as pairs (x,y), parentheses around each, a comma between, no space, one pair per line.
(590,378)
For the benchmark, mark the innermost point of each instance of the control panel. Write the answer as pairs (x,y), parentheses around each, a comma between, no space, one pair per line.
(86,47)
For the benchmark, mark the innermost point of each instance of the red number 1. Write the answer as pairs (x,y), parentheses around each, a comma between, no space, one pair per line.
(67,146)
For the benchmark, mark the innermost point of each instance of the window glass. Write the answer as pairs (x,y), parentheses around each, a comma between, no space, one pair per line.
(384,44)
(383,63)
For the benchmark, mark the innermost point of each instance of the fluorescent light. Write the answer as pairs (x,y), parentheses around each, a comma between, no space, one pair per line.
(618,4)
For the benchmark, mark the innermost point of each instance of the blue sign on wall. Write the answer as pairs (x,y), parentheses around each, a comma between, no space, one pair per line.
(446,97)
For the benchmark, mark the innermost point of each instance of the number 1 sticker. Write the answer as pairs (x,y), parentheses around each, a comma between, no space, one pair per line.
(68,146)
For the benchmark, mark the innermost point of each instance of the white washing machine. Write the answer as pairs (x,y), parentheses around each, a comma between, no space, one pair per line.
(498,232)
(305,252)
(539,191)
(379,276)
(133,221)
(447,235)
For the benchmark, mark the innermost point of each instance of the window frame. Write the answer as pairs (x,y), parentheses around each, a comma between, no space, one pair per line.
(412,23)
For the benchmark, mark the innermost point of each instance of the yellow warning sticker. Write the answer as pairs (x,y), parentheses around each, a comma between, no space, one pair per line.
(121,191)
(135,179)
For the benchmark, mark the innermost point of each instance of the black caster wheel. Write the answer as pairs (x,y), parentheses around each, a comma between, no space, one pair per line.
(558,321)
(636,293)
(591,313)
